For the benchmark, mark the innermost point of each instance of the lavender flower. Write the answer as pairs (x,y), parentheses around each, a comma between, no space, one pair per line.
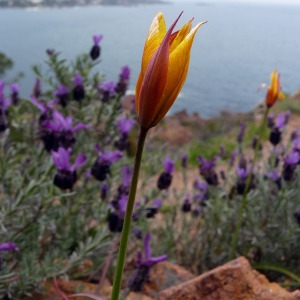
(275,134)
(50,52)
(96,50)
(107,91)
(207,170)
(165,179)
(270,118)
(101,167)
(142,272)
(62,94)
(152,210)
(243,174)
(14,93)
(116,217)
(36,92)
(59,131)
(4,104)
(241,133)
(8,246)
(123,188)
(78,90)
(276,178)
(104,188)
(66,175)
(232,157)
(124,124)
(122,85)
(289,166)
(183,160)
(186,206)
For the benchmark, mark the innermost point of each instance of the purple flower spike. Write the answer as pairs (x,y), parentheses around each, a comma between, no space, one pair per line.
(240,135)
(242,173)
(292,158)
(62,93)
(14,88)
(125,124)
(125,73)
(169,164)
(157,203)
(149,260)
(270,120)
(184,158)
(141,274)
(123,82)
(77,80)
(66,175)
(97,39)
(107,86)
(126,175)
(37,88)
(280,121)
(101,167)
(207,165)
(8,246)
(107,91)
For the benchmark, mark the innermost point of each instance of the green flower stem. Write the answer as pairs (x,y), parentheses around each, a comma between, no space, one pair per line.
(244,200)
(128,215)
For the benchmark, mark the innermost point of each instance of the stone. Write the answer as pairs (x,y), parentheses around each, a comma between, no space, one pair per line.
(164,275)
(235,280)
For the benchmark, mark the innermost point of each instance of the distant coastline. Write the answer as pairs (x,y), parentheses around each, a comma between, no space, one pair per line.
(73,3)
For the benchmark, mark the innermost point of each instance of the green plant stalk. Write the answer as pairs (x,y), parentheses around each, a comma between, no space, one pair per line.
(282,270)
(244,199)
(128,216)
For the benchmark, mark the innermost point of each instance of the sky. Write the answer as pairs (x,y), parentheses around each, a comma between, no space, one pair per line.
(247,1)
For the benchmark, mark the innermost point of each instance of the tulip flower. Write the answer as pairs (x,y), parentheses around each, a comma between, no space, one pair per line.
(164,69)
(274,92)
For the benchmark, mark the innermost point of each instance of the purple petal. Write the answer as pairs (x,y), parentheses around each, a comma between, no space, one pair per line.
(125,73)
(61,90)
(8,246)
(274,175)
(292,158)
(66,123)
(78,80)
(157,202)
(280,121)
(80,126)
(80,161)
(242,173)
(139,258)
(6,103)
(14,88)
(123,203)
(110,156)
(125,124)
(126,175)
(61,158)
(169,164)
(147,248)
(107,86)
(38,104)
(97,38)
(155,260)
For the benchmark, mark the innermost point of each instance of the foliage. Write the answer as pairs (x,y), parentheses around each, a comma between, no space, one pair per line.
(57,230)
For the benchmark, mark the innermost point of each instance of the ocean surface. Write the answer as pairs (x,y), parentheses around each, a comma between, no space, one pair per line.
(232,54)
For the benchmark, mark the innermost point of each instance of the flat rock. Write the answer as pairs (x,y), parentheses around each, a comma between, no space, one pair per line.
(235,280)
